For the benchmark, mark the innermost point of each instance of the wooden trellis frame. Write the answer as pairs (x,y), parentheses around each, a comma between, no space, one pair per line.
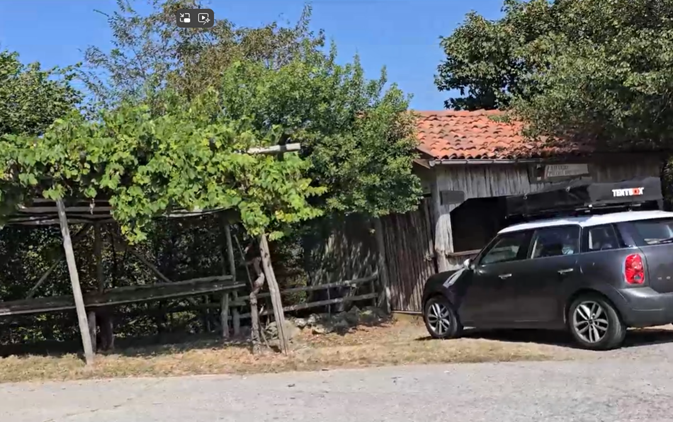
(43,212)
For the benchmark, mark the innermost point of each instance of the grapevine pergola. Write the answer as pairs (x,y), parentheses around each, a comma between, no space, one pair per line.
(94,213)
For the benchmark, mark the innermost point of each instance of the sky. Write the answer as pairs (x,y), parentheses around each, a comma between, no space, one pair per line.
(402,35)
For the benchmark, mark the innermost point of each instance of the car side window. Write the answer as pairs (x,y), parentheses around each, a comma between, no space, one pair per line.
(600,238)
(506,248)
(555,241)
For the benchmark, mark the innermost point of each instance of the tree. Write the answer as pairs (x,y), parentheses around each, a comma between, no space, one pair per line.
(601,70)
(150,51)
(191,158)
(357,134)
(32,98)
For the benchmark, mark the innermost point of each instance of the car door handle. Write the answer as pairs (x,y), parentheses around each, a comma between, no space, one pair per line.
(504,276)
(566,271)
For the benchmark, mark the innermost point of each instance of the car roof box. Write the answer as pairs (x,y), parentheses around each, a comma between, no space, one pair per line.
(584,196)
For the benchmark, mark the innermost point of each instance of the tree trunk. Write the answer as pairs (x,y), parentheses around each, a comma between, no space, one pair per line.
(254,309)
(274,292)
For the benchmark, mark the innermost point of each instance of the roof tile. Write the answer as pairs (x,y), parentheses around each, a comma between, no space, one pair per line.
(475,135)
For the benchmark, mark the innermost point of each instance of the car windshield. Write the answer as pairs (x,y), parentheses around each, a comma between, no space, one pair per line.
(655,232)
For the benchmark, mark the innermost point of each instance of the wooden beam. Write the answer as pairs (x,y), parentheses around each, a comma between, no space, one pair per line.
(347,283)
(275,149)
(123,295)
(56,263)
(384,285)
(142,259)
(276,301)
(98,252)
(74,281)
(236,320)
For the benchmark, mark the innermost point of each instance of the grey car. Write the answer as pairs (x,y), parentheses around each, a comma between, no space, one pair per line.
(594,275)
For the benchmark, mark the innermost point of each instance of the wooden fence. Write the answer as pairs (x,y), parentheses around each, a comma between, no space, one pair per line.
(234,312)
(409,255)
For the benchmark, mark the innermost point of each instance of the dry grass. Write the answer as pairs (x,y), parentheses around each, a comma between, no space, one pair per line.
(401,342)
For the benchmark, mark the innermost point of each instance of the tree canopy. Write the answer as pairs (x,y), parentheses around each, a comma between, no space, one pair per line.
(358,143)
(602,69)
(190,158)
(32,98)
(355,132)
(150,52)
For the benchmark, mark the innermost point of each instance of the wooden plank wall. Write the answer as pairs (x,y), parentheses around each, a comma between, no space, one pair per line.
(409,256)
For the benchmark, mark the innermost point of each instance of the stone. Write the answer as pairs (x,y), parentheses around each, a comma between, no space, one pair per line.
(353,316)
(369,316)
(300,323)
(271,330)
(341,327)
(312,320)
(319,329)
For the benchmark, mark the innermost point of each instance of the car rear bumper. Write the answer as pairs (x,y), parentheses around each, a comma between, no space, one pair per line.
(644,307)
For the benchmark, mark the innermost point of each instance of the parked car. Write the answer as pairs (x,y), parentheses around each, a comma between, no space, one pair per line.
(594,275)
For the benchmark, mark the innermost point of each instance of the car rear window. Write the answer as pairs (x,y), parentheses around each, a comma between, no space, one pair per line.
(655,231)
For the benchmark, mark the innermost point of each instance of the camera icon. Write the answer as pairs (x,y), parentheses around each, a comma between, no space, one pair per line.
(195,18)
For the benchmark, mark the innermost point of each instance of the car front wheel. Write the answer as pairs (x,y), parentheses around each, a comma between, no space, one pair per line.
(441,319)
(595,324)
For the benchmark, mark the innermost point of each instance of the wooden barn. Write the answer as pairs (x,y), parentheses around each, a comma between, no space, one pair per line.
(468,160)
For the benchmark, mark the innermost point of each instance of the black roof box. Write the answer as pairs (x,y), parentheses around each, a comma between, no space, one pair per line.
(582,195)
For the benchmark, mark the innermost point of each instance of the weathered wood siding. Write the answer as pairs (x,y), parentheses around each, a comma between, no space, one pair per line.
(409,256)
(478,181)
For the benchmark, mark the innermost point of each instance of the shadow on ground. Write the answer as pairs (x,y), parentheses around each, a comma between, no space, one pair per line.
(634,337)
(131,347)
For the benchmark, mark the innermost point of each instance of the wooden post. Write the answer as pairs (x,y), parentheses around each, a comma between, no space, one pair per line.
(92,330)
(74,281)
(236,316)
(441,230)
(384,294)
(276,301)
(224,315)
(98,252)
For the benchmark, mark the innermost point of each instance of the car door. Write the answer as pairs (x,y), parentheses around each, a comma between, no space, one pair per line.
(551,266)
(488,299)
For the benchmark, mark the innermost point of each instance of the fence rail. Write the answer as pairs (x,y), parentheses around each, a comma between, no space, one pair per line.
(243,300)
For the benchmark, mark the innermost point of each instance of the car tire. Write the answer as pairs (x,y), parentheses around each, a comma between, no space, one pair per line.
(441,319)
(595,323)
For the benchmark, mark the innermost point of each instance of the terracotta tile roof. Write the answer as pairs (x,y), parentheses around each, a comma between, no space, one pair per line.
(474,135)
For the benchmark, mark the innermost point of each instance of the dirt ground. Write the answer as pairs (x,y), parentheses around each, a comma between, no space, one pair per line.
(403,341)
(397,342)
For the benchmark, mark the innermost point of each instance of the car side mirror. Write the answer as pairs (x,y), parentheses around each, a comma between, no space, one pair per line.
(467,263)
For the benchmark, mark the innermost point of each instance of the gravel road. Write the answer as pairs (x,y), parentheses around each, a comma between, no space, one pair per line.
(633,384)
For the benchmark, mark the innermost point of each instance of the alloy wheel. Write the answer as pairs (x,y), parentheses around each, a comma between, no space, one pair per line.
(439,318)
(590,321)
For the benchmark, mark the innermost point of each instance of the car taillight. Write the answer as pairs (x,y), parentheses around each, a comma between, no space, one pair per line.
(634,272)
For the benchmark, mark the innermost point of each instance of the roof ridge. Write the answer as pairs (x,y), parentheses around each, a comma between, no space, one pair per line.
(480,112)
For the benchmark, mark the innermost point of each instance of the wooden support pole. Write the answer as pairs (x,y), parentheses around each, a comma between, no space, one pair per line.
(74,281)
(98,252)
(92,330)
(236,317)
(384,294)
(276,301)
(224,315)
